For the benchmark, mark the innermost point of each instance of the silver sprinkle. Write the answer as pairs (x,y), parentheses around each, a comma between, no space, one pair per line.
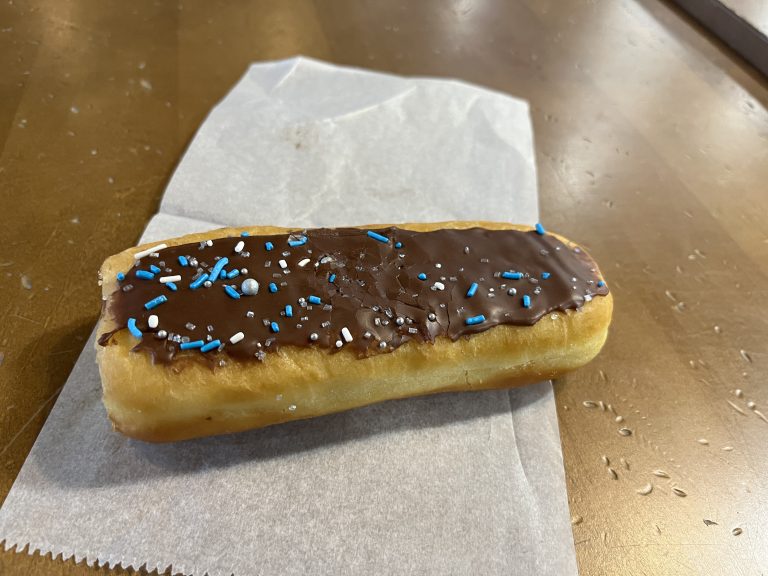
(512,291)
(466,249)
(127,287)
(325,324)
(190,326)
(412,330)
(366,334)
(260,355)
(185,339)
(267,263)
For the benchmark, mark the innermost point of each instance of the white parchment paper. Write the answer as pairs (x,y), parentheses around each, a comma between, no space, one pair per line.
(447,484)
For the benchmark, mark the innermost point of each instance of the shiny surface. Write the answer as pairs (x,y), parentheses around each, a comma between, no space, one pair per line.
(365,282)
(652,148)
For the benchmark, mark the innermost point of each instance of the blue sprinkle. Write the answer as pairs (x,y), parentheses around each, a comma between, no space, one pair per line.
(299,242)
(314,300)
(545,275)
(210,346)
(600,284)
(526,301)
(155,302)
(120,276)
(422,276)
(540,229)
(144,275)
(332,277)
(479,319)
(272,287)
(217,268)
(377,236)
(472,290)
(289,311)
(274,327)
(244,234)
(199,282)
(398,245)
(233,273)
(231,292)
(512,275)
(268,246)
(183,261)
(155,269)
(172,286)
(223,275)
(191,345)
(135,332)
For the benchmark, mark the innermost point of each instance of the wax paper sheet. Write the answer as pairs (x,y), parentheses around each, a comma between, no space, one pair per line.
(447,484)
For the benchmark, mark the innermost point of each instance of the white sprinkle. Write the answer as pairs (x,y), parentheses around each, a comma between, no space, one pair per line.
(209,243)
(283,264)
(438,265)
(346,334)
(438,286)
(166,279)
(152,321)
(338,343)
(148,251)
(366,334)
(239,247)
(304,262)
(236,338)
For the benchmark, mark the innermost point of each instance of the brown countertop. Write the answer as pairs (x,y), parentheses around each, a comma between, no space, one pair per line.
(652,148)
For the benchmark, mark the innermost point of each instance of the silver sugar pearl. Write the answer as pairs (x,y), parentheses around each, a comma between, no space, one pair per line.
(161,334)
(313,336)
(400,321)
(512,291)
(382,344)
(207,284)
(432,316)
(249,287)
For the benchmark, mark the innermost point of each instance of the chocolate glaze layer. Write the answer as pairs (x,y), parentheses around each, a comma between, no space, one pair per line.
(371,288)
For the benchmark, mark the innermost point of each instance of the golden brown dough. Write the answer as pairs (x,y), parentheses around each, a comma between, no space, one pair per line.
(187,399)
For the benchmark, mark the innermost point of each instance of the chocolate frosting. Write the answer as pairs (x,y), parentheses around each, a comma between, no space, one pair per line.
(377,290)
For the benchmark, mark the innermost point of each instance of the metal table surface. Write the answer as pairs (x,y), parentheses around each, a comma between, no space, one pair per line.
(652,148)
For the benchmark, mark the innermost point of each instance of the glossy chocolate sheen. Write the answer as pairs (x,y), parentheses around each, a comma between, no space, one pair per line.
(369,286)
